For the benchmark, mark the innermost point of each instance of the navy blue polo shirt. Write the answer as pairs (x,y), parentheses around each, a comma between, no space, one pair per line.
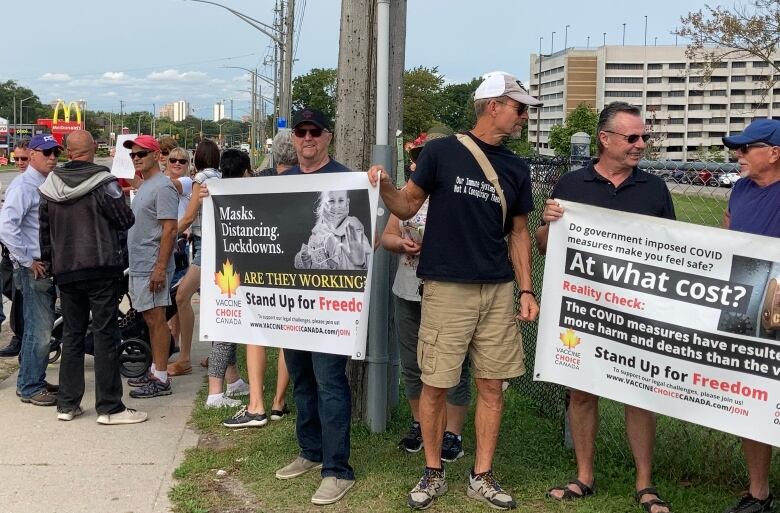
(640,193)
(331,167)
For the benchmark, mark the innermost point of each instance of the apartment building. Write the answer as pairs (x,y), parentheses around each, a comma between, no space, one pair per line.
(176,111)
(686,115)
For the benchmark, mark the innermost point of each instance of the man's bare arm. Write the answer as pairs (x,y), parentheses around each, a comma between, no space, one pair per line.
(404,203)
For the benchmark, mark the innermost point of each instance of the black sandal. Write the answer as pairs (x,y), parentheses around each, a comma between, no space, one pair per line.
(572,495)
(648,505)
(280,414)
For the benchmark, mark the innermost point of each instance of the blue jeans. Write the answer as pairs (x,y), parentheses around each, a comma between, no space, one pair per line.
(323,401)
(38,303)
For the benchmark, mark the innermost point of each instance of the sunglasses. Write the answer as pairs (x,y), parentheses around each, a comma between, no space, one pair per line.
(301,132)
(747,147)
(140,154)
(49,152)
(23,159)
(178,161)
(164,153)
(522,108)
(631,138)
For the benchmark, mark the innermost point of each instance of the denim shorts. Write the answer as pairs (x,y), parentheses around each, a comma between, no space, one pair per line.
(195,250)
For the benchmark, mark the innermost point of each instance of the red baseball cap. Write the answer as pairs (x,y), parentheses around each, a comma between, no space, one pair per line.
(146,142)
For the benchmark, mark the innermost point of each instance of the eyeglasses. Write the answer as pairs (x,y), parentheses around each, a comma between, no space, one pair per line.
(301,132)
(140,154)
(48,152)
(522,108)
(178,161)
(747,147)
(631,139)
(23,159)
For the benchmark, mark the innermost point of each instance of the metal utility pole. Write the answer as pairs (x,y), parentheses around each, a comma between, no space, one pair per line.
(121,116)
(539,93)
(286,99)
(154,122)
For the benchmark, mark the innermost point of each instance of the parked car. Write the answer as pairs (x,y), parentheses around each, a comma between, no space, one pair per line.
(728,179)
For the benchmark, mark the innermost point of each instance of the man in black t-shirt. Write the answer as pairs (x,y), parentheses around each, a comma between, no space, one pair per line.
(468,294)
(614,181)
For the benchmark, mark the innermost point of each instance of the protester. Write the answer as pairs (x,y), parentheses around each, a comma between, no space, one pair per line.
(150,245)
(754,207)
(178,170)
(21,161)
(468,289)
(405,238)
(19,232)
(82,213)
(21,155)
(206,166)
(615,182)
(322,395)
(222,358)
(167,144)
(253,414)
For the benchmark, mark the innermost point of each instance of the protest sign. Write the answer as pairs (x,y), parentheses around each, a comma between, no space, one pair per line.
(286,261)
(122,166)
(663,315)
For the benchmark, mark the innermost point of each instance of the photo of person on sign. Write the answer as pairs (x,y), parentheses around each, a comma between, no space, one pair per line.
(338,240)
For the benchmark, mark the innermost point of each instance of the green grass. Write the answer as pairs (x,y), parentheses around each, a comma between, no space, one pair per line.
(530,459)
(704,210)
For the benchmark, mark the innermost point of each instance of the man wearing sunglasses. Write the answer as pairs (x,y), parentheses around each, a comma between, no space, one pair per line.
(21,155)
(611,181)
(150,245)
(323,431)
(754,207)
(468,294)
(83,216)
(19,232)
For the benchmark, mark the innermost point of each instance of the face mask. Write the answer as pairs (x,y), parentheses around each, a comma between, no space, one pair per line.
(334,215)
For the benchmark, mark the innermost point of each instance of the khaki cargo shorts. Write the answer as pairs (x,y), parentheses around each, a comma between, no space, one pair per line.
(478,318)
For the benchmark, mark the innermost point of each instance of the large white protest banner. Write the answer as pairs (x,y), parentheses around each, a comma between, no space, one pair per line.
(663,315)
(286,261)
(122,165)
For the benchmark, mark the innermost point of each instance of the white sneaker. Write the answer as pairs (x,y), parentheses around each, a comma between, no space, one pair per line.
(239,390)
(223,402)
(69,415)
(127,416)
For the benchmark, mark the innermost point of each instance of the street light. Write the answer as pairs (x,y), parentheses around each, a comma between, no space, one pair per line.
(21,112)
(284,40)
(253,136)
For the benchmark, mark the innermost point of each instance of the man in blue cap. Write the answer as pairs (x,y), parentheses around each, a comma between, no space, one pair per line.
(19,229)
(754,207)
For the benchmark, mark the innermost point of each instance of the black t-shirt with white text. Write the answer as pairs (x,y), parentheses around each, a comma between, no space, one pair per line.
(464,240)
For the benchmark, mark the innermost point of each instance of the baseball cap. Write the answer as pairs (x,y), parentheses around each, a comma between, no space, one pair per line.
(313,116)
(761,130)
(43,142)
(435,132)
(146,142)
(498,83)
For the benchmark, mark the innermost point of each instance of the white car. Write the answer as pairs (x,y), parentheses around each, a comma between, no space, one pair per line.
(728,179)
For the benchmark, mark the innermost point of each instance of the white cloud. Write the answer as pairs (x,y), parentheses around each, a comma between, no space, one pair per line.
(54,77)
(114,76)
(175,75)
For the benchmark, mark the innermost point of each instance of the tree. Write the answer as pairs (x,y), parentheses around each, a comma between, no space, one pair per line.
(33,108)
(581,119)
(316,89)
(734,32)
(422,87)
(456,105)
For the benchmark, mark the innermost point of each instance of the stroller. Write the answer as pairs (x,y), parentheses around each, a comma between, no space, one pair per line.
(134,346)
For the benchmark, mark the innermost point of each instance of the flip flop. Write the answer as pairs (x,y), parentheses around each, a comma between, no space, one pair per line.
(175,369)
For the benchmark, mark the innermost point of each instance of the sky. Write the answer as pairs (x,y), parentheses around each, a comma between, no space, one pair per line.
(158,51)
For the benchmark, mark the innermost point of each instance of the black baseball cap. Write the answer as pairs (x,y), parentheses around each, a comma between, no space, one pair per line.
(313,116)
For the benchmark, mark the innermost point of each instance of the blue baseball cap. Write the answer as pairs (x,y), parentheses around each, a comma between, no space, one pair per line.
(43,142)
(761,130)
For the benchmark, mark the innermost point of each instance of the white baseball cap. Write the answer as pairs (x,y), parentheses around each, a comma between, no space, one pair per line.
(499,83)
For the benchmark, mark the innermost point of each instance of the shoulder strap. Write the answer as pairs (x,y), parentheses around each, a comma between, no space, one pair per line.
(487,169)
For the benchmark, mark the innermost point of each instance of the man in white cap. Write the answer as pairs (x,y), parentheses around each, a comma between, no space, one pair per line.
(480,193)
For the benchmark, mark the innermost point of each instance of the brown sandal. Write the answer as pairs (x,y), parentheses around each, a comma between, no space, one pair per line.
(648,505)
(174,369)
(572,495)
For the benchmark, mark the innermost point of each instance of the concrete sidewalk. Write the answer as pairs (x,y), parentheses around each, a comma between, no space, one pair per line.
(49,466)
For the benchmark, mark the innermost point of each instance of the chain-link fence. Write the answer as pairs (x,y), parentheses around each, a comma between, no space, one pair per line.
(684,451)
